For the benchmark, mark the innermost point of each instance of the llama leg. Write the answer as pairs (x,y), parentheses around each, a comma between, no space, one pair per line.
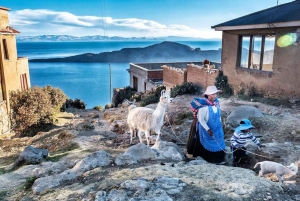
(147,134)
(131,134)
(140,136)
(280,181)
(158,135)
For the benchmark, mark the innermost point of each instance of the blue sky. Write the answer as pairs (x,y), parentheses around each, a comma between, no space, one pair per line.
(128,18)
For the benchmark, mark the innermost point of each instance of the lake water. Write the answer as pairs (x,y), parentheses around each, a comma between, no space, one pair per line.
(89,82)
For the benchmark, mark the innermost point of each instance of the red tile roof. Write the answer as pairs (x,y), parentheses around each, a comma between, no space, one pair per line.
(8,30)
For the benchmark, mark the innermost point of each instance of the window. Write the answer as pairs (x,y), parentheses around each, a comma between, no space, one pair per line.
(256,52)
(23,79)
(5,49)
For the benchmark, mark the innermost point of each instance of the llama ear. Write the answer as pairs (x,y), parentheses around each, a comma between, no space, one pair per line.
(162,92)
(134,100)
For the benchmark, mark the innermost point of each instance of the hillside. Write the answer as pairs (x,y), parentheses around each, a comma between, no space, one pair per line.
(86,150)
(165,51)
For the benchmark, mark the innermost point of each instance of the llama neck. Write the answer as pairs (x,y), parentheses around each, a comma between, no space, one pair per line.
(160,110)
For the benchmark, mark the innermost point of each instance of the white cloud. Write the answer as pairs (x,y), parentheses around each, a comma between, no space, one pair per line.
(44,22)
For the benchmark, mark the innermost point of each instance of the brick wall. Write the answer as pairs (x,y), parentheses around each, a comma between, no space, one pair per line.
(173,76)
(200,76)
(155,74)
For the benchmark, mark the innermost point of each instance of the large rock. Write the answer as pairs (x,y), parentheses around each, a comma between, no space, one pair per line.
(168,150)
(31,155)
(242,112)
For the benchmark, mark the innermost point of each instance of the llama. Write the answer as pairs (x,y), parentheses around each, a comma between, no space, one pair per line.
(146,119)
(277,168)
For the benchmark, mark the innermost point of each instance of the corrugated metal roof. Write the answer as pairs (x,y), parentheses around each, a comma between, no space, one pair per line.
(282,13)
(8,30)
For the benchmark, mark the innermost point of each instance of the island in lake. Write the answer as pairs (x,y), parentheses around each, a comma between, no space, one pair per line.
(161,52)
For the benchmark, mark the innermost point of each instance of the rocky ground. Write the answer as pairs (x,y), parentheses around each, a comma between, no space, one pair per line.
(89,158)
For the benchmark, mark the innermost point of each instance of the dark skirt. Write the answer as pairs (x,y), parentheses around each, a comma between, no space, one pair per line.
(195,148)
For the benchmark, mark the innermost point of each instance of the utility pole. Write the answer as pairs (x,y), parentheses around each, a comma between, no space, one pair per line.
(109,82)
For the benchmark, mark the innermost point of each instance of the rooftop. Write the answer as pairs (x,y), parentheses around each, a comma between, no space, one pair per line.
(278,16)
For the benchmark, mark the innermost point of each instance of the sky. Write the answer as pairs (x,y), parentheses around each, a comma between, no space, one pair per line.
(128,18)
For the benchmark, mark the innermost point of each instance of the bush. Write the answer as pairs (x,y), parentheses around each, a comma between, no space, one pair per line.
(77,103)
(35,107)
(185,88)
(99,108)
(121,94)
(222,83)
(152,97)
(29,182)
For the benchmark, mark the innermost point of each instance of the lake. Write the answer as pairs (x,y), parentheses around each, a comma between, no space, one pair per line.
(89,82)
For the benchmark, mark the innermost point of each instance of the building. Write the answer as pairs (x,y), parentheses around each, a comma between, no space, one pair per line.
(146,76)
(261,51)
(14,71)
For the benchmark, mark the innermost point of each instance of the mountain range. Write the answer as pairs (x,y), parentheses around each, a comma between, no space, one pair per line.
(69,38)
(162,52)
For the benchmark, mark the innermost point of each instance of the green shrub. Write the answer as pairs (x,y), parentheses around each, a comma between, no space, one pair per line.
(29,182)
(35,107)
(222,83)
(185,88)
(152,97)
(99,108)
(121,94)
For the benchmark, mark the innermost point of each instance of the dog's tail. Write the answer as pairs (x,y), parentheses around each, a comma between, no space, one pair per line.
(257,164)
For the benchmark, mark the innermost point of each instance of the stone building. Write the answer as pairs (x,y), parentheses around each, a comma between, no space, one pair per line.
(261,51)
(14,71)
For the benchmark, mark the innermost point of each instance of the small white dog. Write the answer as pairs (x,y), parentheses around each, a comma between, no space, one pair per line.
(277,168)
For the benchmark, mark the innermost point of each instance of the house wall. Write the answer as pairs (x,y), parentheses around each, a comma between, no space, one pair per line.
(143,79)
(11,70)
(200,77)
(173,76)
(283,82)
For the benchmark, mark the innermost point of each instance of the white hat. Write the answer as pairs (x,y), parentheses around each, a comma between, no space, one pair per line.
(211,90)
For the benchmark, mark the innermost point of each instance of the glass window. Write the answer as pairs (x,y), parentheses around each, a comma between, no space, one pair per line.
(268,53)
(245,52)
(257,52)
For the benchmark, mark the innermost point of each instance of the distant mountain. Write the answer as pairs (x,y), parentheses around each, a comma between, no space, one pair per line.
(68,38)
(161,52)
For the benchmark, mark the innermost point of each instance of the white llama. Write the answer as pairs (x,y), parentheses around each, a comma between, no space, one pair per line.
(277,168)
(146,119)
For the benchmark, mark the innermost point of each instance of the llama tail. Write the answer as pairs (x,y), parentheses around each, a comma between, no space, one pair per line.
(257,164)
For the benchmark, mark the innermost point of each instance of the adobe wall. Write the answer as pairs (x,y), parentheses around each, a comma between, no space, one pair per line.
(3,17)
(200,76)
(173,76)
(283,82)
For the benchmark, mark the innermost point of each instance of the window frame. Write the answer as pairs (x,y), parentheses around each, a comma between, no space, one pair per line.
(250,49)
(24,83)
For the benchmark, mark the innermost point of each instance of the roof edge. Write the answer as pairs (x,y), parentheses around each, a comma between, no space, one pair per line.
(3,8)
(259,26)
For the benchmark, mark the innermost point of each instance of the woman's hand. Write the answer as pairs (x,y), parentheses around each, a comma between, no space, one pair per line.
(210,132)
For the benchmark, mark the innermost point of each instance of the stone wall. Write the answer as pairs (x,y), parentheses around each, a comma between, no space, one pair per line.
(173,76)
(200,76)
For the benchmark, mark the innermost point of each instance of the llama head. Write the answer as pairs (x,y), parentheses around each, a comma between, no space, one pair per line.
(293,167)
(165,96)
